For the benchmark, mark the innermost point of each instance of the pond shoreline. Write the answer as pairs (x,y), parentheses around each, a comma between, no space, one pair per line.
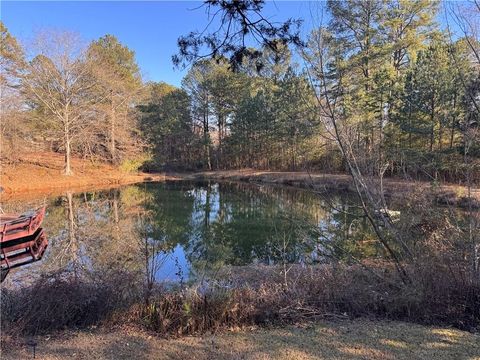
(251,267)
(450,194)
(42,175)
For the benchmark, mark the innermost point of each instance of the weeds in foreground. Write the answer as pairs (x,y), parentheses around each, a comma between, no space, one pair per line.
(61,301)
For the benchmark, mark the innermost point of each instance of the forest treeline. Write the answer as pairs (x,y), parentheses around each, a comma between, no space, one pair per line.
(407,89)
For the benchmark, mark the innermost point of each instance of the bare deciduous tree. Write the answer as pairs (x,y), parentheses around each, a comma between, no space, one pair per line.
(57,82)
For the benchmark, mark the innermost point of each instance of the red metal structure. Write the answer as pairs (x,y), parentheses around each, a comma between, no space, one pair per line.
(22,240)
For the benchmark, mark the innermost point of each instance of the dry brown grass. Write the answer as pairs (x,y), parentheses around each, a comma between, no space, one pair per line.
(59,302)
(41,173)
(359,339)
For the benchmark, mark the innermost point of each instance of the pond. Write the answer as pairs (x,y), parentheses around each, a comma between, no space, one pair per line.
(180,231)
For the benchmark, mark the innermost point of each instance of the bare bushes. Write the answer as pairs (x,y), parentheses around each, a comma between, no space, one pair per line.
(438,294)
(435,295)
(444,294)
(64,300)
(198,309)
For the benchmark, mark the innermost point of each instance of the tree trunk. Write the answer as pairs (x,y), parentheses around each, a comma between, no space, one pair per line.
(432,126)
(112,132)
(206,138)
(72,239)
(454,118)
(68,169)
(440,135)
(207,150)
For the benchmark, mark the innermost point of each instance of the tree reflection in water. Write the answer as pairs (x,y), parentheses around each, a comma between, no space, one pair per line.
(180,230)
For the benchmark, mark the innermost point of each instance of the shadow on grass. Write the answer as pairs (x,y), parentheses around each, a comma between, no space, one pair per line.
(357,339)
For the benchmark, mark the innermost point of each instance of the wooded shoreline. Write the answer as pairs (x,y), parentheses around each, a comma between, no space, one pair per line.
(26,180)
(395,188)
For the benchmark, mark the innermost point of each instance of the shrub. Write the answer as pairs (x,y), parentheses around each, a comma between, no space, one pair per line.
(134,164)
(64,300)
(437,295)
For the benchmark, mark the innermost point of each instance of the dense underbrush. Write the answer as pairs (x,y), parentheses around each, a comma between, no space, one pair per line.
(437,295)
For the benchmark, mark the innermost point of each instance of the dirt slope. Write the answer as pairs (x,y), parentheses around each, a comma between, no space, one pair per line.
(41,173)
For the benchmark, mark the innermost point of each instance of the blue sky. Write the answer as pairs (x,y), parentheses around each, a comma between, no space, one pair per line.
(149,28)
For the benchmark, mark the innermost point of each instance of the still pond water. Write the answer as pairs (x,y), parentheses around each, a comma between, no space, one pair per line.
(184,230)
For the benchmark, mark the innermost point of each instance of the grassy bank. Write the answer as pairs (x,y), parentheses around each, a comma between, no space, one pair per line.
(359,339)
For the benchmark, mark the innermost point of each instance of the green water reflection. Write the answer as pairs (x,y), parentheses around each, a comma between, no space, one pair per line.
(181,230)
